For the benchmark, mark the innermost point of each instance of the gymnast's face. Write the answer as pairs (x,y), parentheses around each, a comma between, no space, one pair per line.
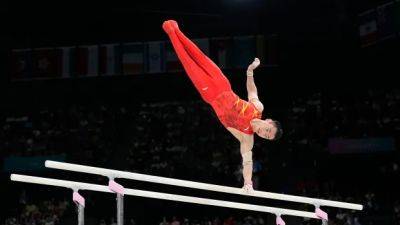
(266,129)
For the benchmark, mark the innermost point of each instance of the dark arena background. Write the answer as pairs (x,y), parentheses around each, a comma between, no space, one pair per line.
(99,84)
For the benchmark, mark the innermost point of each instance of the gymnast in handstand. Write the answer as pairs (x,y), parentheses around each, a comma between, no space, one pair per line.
(241,118)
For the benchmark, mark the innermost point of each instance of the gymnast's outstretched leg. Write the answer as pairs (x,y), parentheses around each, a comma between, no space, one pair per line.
(199,77)
(202,60)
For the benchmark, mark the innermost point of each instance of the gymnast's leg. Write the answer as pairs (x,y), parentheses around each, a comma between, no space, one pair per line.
(201,80)
(202,60)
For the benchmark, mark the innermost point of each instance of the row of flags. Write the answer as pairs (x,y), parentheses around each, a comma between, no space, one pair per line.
(136,58)
(380,23)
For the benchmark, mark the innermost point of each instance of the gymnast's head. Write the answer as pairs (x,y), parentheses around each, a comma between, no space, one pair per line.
(268,129)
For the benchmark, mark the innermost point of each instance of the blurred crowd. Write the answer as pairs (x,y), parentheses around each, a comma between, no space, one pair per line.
(45,212)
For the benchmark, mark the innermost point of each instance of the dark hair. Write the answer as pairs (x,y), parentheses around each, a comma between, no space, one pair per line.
(279,130)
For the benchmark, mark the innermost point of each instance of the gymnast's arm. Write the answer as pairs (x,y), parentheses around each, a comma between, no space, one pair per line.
(246,147)
(252,93)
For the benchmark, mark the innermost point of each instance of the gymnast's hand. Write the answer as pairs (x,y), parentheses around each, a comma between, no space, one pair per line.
(254,64)
(248,188)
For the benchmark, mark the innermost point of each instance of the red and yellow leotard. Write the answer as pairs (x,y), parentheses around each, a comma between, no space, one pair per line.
(235,112)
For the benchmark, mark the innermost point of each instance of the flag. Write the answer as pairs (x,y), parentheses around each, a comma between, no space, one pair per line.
(45,62)
(21,61)
(385,21)
(221,50)
(368,28)
(87,60)
(172,63)
(110,59)
(133,58)
(66,64)
(244,48)
(155,56)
